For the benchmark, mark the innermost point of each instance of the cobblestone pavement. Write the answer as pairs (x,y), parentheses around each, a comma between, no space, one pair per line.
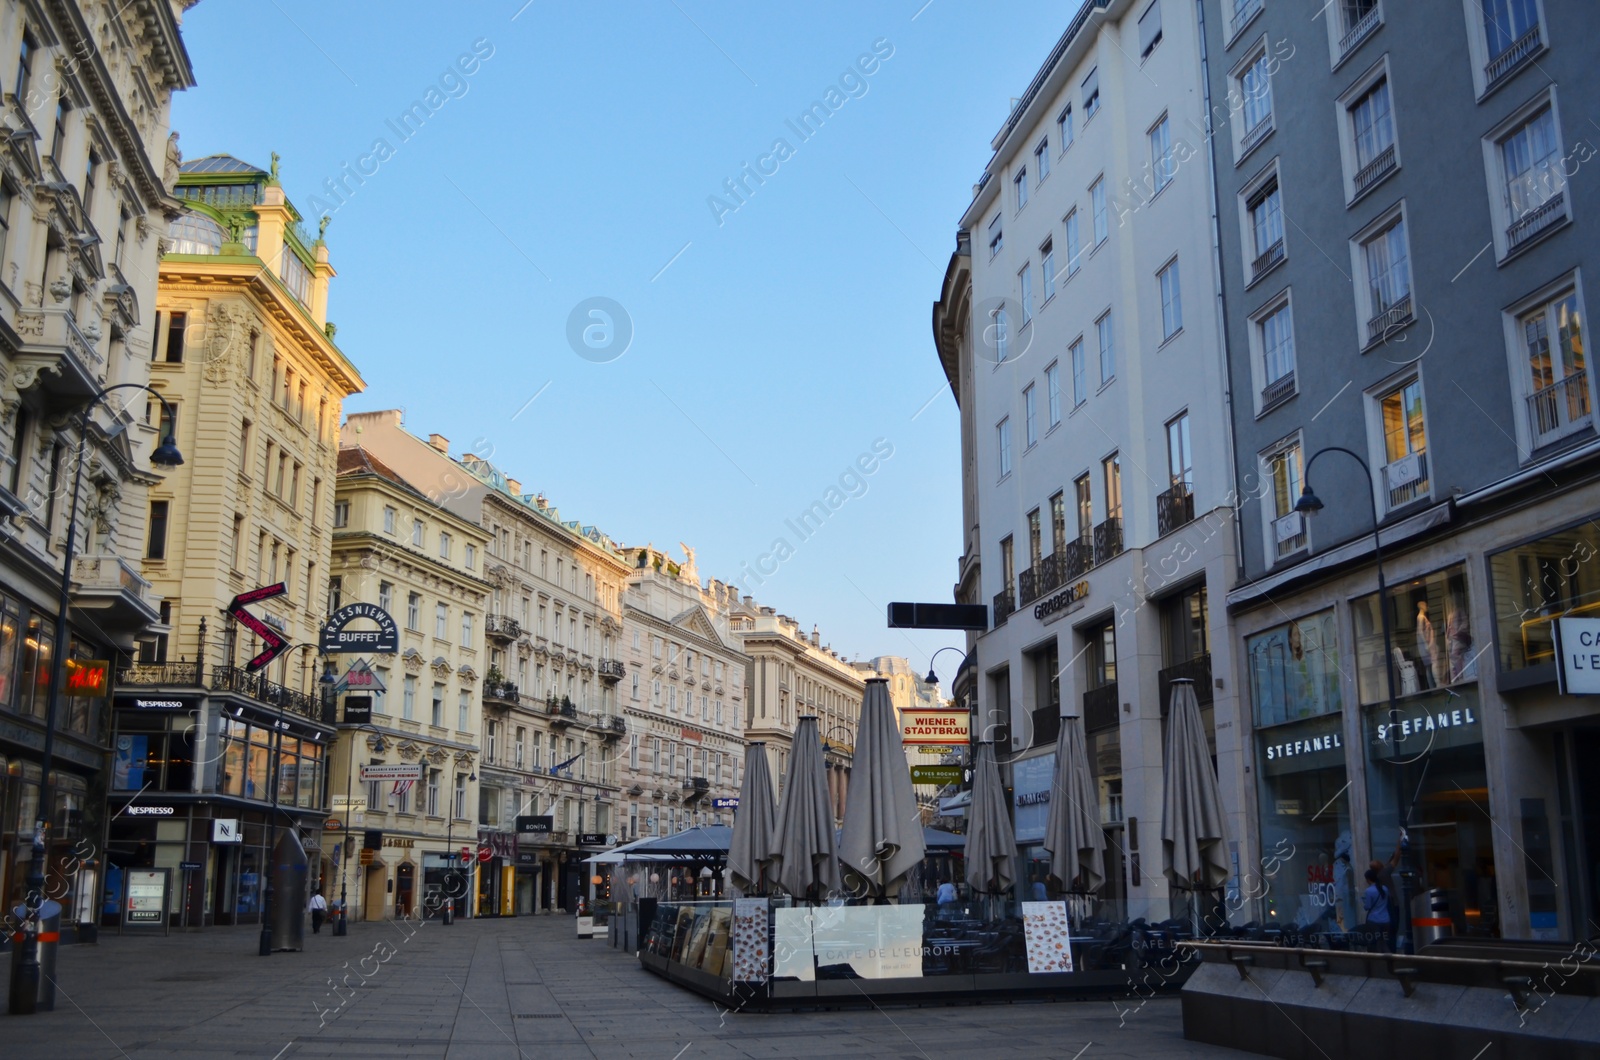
(499,990)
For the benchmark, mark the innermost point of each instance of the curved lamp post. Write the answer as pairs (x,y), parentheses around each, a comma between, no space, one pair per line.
(1310,504)
(933,678)
(341,926)
(24,1001)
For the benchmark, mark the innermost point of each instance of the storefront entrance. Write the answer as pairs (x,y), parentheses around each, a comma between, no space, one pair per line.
(404,888)
(374,893)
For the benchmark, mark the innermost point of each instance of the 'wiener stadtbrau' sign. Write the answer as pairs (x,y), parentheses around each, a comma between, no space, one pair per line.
(385,640)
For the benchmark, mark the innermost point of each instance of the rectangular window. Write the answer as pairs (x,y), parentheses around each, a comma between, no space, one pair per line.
(1295,670)
(1275,333)
(466,629)
(1052,385)
(1008,565)
(441,621)
(1387,265)
(1035,540)
(1265,207)
(1255,91)
(1111,472)
(1002,335)
(388,519)
(1030,416)
(1085,503)
(1041,159)
(177,324)
(156,548)
(1180,461)
(1288,526)
(1405,443)
(444,546)
(1108,355)
(1091,95)
(1020,183)
(436,716)
(1102,223)
(1150,29)
(1511,31)
(996,236)
(1025,281)
(470,557)
(1534,177)
(24,66)
(1372,134)
(1003,437)
(1047,269)
(335,592)
(408,699)
(1171,302)
(1074,247)
(1058,522)
(1555,379)
(1163,164)
(414,612)
(1064,129)
(341,514)
(1080,375)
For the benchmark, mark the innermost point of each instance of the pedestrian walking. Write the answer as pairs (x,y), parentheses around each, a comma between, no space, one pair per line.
(319,909)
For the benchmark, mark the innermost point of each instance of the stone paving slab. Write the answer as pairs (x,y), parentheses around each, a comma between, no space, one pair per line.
(515,989)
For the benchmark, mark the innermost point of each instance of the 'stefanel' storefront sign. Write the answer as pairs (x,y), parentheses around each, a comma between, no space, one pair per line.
(1578,656)
(935,727)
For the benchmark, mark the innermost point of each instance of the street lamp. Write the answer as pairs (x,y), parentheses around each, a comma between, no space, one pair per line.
(933,678)
(341,927)
(1310,504)
(25,994)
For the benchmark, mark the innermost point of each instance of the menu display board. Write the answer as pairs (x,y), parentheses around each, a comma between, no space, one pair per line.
(1048,933)
(749,943)
(146,902)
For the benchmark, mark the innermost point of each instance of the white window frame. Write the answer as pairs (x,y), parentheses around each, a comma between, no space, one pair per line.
(1052,388)
(1097,206)
(1080,373)
(1090,89)
(1283,300)
(1171,307)
(1346,117)
(1149,34)
(1002,334)
(996,236)
(1347,36)
(1495,174)
(1300,543)
(1002,433)
(1163,164)
(1020,184)
(1410,472)
(1517,363)
(1047,269)
(1241,18)
(1248,136)
(1030,417)
(1478,47)
(1388,319)
(1074,239)
(1025,284)
(1064,130)
(1041,161)
(1247,229)
(1105,329)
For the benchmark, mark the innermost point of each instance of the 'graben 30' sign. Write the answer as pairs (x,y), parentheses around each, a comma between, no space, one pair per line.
(385,640)
(1061,601)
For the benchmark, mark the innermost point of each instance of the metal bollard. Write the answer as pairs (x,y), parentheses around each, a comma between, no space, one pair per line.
(1430,918)
(49,941)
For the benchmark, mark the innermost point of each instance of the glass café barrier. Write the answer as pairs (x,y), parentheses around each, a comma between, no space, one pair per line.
(761,940)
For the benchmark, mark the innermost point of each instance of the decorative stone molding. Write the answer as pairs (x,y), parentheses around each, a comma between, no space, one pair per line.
(437,755)
(467,673)
(440,666)
(412,660)
(410,750)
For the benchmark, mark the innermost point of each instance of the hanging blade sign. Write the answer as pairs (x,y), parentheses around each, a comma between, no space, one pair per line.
(274,644)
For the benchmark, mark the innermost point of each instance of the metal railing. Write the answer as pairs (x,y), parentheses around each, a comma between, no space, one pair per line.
(1266,260)
(1503,64)
(1359,31)
(1100,708)
(1406,479)
(240,681)
(1046,724)
(503,691)
(1243,12)
(1382,165)
(1108,539)
(179,673)
(1278,389)
(502,626)
(1174,508)
(1197,669)
(1005,602)
(1396,314)
(1257,132)
(1559,408)
(1536,220)
(612,669)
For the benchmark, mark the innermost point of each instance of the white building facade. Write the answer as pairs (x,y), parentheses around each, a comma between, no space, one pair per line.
(1079,327)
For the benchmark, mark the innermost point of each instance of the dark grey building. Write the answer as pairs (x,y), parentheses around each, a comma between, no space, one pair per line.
(1407,195)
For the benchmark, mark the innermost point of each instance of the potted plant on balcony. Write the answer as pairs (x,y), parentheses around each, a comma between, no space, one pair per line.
(494,677)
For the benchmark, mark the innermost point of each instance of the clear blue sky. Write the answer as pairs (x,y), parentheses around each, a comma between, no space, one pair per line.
(577,161)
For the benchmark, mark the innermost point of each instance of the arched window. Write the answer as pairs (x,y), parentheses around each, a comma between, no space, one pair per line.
(194,234)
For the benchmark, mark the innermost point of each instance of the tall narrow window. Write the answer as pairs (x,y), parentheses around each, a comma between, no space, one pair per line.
(1041,160)
(1074,248)
(1150,29)
(1180,461)
(176,325)
(1025,281)
(1288,525)
(1266,227)
(1108,354)
(157,546)
(1080,374)
(1064,131)
(996,236)
(1276,336)
(1171,302)
(1557,379)
(1372,131)
(1085,504)
(1052,383)
(1091,95)
(1256,89)
(1405,443)
(1058,522)
(1047,267)
(1002,335)
(1003,438)
(1035,540)
(1111,469)
(1163,164)
(1020,183)
(1530,157)
(1388,270)
(1030,415)
(1102,223)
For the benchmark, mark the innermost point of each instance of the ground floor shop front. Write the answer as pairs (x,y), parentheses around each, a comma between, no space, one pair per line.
(1453,727)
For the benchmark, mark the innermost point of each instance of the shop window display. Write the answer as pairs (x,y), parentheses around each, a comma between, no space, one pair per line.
(1294,670)
(1535,583)
(1431,638)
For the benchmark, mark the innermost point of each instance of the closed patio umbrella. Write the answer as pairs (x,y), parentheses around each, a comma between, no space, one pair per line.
(991,844)
(1072,832)
(1193,840)
(754,824)
(882,825)
(804,860)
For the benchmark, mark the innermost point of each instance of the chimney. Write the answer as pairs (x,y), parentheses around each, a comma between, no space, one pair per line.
(440,442)
(515,487)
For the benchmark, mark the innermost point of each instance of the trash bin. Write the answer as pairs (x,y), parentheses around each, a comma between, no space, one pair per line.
(44,999)
(1430,918)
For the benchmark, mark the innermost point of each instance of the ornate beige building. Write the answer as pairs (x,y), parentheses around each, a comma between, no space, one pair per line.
(790,675)
(83,202)
(423,565)
(683,698)
(549,694)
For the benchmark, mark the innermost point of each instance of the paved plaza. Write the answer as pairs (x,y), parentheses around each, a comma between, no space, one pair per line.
(500,990)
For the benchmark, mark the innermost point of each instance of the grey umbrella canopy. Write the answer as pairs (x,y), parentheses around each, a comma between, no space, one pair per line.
(1072,832)
(991,845)
(1193,840)
(882,825)
(804,861)
(754,824)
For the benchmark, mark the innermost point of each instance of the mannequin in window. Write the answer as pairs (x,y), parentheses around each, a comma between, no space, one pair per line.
(1431,660)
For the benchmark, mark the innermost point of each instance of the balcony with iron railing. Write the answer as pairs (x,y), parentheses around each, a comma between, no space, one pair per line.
(1530,222)
(1005,602)
(611,669)
(1511,59)
(1357,28)
(1266,260)
(1560,408)
(695,788)
(502,627)
(239,681)
(1406,479)
(1256,133)
(1390,318)
(1243,12)
(1289,533)
(1174,508)
(160,675)
(1046,724)
(1382,164)
(1280,389)
(502,694)
(1100,708)
(1108,539)
(1197,669)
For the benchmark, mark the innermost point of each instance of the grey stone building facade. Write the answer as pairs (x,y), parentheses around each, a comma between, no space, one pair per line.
(1406,194)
